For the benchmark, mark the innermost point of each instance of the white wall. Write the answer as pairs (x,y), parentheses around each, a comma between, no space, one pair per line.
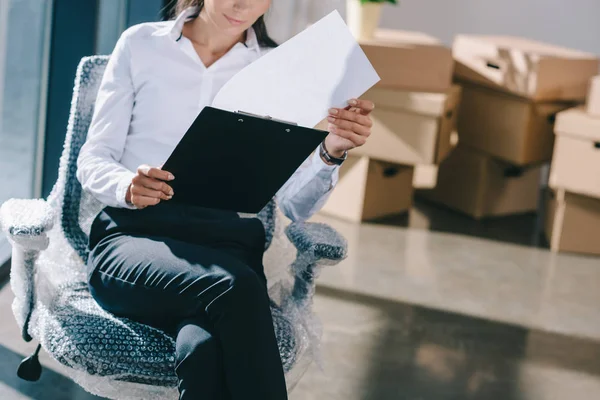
(288,17)
(571,23)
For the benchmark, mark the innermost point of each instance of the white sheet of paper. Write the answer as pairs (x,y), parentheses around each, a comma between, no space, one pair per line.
(320,68)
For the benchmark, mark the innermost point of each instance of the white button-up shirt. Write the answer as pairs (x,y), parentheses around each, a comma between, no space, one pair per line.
(154,87)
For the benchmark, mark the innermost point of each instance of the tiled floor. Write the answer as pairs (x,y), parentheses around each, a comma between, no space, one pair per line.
(419,313)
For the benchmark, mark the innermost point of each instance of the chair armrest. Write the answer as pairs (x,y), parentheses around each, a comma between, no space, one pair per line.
(26,222)
(318,242)
(318,245)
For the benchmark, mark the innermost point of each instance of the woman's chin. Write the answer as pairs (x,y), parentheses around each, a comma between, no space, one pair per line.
(234,31)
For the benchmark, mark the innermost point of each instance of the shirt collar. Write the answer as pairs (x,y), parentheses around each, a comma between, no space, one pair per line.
(174,29)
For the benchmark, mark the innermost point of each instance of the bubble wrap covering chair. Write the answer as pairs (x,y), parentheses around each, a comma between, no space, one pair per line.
(116,357)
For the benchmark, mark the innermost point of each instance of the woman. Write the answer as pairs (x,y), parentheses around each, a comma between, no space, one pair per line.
(191,271)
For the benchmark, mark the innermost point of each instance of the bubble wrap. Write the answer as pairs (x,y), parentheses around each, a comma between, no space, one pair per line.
(116,357)
(26,219)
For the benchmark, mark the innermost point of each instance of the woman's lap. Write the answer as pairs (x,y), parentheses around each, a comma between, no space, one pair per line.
(159,280)
(154,265)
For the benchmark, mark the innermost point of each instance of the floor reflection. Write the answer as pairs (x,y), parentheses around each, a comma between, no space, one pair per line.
(424,354)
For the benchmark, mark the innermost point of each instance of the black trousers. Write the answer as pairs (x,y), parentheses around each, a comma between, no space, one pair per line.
(197,273)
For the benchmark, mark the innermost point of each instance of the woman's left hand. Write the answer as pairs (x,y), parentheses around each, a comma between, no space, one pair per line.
(348,127)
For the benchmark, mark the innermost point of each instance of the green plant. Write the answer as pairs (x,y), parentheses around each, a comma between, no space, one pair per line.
(379,1)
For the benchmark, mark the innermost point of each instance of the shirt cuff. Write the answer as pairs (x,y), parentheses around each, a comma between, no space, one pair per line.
(326,172)
(122,188)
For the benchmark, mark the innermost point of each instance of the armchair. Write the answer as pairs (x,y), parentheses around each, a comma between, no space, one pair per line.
(116,357)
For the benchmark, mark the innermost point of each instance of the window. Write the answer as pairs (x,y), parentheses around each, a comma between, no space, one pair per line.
(114,16)
(34,55)
(24,31)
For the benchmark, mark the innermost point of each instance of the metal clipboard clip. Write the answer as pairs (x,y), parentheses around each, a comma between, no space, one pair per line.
(268,117)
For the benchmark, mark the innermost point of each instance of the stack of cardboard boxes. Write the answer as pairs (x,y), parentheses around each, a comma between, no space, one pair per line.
(512,90)
(414,116)
(573,204)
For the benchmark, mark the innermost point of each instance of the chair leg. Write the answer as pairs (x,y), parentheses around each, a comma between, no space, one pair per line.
(24,332)
(30,368)
(304,285)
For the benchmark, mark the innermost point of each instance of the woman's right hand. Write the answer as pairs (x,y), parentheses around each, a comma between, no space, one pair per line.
(148,187)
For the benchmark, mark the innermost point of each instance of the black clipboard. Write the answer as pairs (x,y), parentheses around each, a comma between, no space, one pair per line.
(237,161)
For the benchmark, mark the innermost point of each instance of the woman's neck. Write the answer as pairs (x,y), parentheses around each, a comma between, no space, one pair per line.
(203,32)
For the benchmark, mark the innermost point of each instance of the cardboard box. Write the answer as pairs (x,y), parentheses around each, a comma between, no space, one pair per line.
(410,61)
(576,162)
(425,176)
(369,189)
(534,70)
(573,223)
(411,127)
(482,186)
(593,99)
(516,130)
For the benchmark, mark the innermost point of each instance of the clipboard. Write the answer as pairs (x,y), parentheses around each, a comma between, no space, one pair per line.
(237,161)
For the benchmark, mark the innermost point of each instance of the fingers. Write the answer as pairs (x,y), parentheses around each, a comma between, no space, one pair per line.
(151,178)
(139,190)
(350,126)
(366,106)
(155,173)
(143,201)
(153,184)
(148,187)
(356,139)
(351,116)
(353,122)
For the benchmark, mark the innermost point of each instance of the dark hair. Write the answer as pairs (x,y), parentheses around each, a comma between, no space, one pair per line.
(260,27)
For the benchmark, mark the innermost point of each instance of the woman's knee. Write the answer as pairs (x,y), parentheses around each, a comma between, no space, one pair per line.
(196,347)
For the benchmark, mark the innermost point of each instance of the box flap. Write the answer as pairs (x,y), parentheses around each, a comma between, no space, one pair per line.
(531,47)
(576,122)
(432,104)
(527,68)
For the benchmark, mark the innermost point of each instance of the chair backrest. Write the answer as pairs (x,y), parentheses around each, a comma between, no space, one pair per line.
(76,208)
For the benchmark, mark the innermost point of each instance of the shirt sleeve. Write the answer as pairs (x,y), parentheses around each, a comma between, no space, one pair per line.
(98,168)
(308,189)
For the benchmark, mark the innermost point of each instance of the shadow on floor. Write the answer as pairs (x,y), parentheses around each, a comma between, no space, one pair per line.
(424,354)
(51,386)
(523,229)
